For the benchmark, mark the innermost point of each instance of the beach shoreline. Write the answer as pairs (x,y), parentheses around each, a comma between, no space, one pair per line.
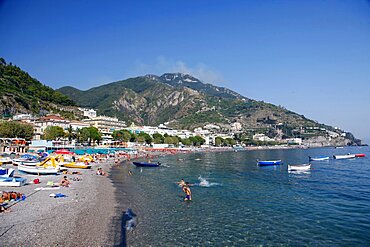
(82,218)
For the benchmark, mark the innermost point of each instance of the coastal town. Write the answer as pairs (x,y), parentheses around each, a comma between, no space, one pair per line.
(110,134)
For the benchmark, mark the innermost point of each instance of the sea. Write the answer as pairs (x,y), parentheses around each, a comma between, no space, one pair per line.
(237,203)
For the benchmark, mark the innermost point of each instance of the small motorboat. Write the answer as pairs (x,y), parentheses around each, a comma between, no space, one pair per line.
(12,181)
(145,164)
(344,156)
(300,167)
(318,158)
(269,162)
(360,155)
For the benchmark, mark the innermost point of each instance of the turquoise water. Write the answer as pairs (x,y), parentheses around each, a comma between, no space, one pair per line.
(237,203)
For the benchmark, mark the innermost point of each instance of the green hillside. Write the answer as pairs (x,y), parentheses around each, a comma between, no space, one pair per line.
(20,93)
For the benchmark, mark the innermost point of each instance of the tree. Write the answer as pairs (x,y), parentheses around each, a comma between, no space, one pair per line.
(158,138)
(230,141)
(197,140)
(14,129)
(90,134)
(147,138)
(186,142)
(133,137)
(71,134)
(219,141)
(53,133)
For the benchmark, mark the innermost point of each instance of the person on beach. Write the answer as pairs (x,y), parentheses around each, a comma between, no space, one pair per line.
(101,172)
(187,191)
(130,173)
(65,182)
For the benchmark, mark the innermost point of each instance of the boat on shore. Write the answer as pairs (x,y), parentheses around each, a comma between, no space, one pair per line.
(5,160)
(78,165)
(269,162)
(344,156)
(318,158)
(6,173)
(47,167)
(12,182)
(300,167)
(145,164)
(39,170)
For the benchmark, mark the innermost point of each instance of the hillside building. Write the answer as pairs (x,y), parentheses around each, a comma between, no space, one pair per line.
(106,125)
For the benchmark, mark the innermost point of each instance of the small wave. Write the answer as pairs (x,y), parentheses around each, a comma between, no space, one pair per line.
(205,183)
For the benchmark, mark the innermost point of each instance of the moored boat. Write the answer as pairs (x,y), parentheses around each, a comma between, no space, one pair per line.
(344,156)
(145,164)
(300,167)
(318,158)
(269,162)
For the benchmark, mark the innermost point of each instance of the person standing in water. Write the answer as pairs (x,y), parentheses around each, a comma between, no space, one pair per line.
(187,191)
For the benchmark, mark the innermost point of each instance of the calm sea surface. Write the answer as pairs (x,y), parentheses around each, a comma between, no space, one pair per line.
(237,203)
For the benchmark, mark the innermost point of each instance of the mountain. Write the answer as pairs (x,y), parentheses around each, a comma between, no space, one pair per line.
(186,102)
(20,93)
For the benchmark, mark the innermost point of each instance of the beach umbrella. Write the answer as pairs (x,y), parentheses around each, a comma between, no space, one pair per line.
(63,151)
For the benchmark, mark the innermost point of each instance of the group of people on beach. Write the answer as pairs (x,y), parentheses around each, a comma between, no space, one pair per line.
(186,189)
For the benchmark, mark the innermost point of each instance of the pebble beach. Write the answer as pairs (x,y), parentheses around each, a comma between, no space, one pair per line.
(83,218)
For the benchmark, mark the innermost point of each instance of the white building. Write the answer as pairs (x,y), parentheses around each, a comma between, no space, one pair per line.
(106,125)
(294,141)
(77,125)
(236,126)
(51,120)
(262,138)
(90,113)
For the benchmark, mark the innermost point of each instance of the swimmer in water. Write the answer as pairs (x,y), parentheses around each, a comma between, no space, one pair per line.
(181,183)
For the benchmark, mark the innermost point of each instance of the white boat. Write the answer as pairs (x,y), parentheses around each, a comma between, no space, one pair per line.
(39,170)
(344,156)
(30,163)
(48,166)
(5,160)
(26,159)
(301,167)
(12,182)
(318,158)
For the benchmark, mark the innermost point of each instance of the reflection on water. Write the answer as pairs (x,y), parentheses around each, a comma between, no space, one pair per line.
(236,203)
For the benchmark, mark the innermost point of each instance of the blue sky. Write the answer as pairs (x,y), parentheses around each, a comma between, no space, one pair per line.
(313,57)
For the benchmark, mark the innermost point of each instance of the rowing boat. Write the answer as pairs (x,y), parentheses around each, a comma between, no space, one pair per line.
(269,162)
(300,167)
(144,164)
(345,156)
(318,158)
